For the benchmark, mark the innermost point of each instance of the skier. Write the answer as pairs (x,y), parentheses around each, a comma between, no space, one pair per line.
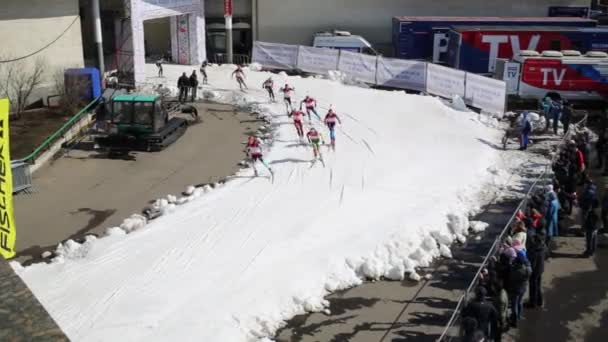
(287,95)
(240,77)
(204,71)
(297,116)
(268,85)
(314,138)
(159,65)
(254,150)
(330,121)
(311,106)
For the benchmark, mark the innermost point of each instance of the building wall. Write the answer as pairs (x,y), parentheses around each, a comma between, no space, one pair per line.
(157,35)
(240,8)
(28,25)
(295,21)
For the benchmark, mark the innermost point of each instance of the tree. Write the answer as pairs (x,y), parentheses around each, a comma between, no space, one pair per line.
(18,80)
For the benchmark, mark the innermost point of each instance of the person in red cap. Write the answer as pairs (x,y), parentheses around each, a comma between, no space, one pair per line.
(298,116)
(240,77)
(254,151)
(330,120)
(288,93)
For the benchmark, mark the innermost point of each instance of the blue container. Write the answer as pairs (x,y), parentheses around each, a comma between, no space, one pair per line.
(86,81)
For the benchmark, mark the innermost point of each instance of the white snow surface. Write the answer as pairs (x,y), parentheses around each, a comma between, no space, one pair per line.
(234,262)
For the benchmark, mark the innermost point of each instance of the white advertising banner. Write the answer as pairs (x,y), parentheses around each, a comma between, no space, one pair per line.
(401,73)
(485,93)
(311,59)
(361,67)
(444,82)
(272,55)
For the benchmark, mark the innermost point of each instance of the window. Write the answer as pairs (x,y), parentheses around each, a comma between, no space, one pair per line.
(143,113)
(555,45)
(123,112)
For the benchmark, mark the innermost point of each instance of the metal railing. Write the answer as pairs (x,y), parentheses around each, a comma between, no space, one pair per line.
(22,178)
(222,58)
(452,328)
(31,158)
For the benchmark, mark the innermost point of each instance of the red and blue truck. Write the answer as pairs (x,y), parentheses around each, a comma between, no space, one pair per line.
(425,38)
(475,49)
(570,74)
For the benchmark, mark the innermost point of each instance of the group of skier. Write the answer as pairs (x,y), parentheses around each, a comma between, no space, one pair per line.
(312,136)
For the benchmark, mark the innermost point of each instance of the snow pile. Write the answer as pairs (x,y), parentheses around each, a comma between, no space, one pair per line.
(233,264)
(479,226)
(458,104)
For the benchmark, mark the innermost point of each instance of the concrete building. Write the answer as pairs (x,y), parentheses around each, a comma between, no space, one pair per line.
(35,29)
(295,21)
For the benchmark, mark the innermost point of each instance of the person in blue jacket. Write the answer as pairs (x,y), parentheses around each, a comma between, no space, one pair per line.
(551,216)
(555,112)
(545,104)
(525,129)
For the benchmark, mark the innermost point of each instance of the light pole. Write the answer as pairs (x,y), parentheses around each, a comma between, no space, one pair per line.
(228,17)
(98,37)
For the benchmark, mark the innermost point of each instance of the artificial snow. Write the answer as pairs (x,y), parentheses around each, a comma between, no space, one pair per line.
(236,260)
(479,226)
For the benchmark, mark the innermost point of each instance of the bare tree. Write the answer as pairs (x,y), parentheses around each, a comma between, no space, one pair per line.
(5,76)
(22,79)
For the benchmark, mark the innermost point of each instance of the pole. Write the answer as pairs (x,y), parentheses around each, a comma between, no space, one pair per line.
(228,17)
(98,37)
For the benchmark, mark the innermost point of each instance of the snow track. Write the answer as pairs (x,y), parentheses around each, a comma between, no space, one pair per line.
(233,264)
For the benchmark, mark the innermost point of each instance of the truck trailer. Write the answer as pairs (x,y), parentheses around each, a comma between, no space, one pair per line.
(425,38)
(569,74)
(475,49)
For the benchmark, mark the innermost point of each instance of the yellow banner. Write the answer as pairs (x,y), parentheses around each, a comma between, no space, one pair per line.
(7,222)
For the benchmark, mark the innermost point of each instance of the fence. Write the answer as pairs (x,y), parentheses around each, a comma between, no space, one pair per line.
(477,91)
(222,58)
(22,168)
(22,178)
(452,329)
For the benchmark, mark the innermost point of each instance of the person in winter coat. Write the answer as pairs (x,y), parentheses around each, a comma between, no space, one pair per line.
(471,333)
(536,251)
(517,283)
(193,85)
(483,311)
(525,129)
(566,116)
(589,199)
(519,234)
(546,109)
(183,83)
(600,145)
(555,112)
(591,227)
(203,71)
(551,215)
(604,212)
(501,303)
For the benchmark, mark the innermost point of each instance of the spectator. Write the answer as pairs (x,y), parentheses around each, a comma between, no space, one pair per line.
(589,199)
(566,116)
(193,81)
(525,129)
(551,215)
(501,303)
(546,108)
(183,83)
(518,279)
(600,145)
(536,255)
(519,234)
(591,227)
(555,113)
(605,211)
(483,311)
(470,331)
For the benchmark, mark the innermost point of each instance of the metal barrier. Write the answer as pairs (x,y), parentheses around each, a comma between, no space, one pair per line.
(222,58)
(22,178)
(31,158)
(452,329)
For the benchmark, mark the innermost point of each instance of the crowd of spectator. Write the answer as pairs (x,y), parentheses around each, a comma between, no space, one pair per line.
(519,262)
